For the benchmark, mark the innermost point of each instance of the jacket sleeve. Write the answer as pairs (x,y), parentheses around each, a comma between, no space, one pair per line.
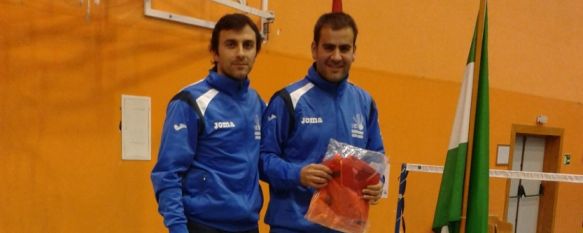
(177,150)
(375,139)
(273,167)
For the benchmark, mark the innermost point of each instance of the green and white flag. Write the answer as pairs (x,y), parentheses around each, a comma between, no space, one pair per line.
(448,211)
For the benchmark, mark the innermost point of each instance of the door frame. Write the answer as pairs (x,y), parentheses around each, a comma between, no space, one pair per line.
(551,163)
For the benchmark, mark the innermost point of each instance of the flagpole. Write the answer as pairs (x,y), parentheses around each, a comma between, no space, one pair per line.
(476,75)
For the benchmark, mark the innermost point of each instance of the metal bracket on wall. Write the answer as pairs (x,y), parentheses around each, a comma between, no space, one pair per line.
(266,16)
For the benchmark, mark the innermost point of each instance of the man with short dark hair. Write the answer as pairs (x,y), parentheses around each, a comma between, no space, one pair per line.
(301,119)
(206,177)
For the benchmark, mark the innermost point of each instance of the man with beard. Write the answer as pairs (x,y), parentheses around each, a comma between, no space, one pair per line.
(301,119)
(206,177)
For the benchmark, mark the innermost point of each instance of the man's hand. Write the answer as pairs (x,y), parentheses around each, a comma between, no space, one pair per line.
(372,193)
(315,175)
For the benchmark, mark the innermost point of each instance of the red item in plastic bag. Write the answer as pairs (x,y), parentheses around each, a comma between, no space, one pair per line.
(340,205)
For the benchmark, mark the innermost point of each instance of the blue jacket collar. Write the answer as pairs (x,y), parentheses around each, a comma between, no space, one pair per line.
(330,87)
(229,85)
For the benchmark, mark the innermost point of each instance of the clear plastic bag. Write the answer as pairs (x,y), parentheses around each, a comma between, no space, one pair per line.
(340,205)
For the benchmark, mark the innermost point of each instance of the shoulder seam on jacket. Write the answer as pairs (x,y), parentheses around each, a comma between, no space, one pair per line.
(297,94)
(203,100)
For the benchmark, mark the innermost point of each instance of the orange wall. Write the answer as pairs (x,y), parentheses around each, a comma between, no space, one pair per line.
(62,75)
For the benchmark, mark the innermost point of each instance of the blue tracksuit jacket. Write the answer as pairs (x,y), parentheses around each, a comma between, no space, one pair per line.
(297,134)
(207,169)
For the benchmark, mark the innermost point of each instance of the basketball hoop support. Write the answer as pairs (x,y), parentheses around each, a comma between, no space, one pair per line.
(266,16)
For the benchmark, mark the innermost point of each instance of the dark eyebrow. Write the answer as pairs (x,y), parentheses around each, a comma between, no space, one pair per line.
(340,45)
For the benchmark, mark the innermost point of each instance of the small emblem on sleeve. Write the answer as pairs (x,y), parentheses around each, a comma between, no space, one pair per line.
(180,126)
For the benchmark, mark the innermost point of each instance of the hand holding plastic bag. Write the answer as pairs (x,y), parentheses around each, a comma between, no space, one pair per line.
(340,205)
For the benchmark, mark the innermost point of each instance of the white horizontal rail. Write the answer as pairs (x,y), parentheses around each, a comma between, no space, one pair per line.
(509,174)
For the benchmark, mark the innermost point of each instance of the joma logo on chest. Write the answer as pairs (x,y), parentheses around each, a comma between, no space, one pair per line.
(312,120)
(224,124)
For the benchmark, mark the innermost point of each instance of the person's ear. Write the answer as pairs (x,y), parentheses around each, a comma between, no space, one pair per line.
(354,53)
(314,49)
(215,56)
